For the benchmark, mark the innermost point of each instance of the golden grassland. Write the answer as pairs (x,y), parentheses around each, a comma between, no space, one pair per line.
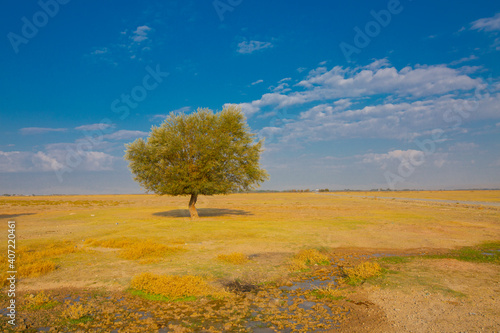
(104,240)
(217,270)
(465,195)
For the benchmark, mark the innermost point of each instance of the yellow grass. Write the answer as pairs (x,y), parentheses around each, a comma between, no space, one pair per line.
(172,286)
(34,301)
(76,311)
(307,257)
(37,260)
(361,272)
(235,258)
(271,227)
(134,249)
(465,195)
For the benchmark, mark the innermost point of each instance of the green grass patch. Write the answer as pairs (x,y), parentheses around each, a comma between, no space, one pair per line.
(45,306)
(82,320)
(395,260)
(483,253)
(161,298)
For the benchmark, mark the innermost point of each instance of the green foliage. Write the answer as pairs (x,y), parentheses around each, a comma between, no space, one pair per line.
(199,154)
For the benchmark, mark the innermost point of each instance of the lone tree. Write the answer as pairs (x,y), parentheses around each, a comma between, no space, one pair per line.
(198,154)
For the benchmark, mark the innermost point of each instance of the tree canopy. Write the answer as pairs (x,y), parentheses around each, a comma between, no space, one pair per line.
(202,153)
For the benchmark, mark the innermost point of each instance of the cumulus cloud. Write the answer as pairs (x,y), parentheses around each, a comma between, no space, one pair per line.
(375,79)
(247,47)
(487,23)
(257,82)
(40,130)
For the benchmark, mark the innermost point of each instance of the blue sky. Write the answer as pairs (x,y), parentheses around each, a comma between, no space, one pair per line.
(360,95)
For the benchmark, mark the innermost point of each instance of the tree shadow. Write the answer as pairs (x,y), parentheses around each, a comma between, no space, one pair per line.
(11,216)
(203,212)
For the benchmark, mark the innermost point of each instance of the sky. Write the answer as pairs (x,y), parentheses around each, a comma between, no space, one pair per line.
(347,95)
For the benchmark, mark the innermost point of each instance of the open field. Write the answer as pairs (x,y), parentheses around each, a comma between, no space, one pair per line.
(243,247)
(466,195)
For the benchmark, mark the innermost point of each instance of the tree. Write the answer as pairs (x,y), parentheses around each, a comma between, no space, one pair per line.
(203,153)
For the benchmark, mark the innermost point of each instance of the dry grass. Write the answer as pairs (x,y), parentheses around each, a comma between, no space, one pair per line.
(76,311)
(172,286)
(270,226)
(361,272)
(133,249)
(330,291)
(465,195)
(36,301)
(235,258)
(307,257)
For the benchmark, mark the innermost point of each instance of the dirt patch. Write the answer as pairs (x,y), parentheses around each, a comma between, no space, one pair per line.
(444,295)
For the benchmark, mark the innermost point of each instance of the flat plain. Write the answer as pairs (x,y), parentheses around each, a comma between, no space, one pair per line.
(79,255)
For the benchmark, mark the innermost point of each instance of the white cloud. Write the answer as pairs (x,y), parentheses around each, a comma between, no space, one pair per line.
(40,130)
(125,135)
(377,78)
(130,44)
(140,34)
(464,59)
(463,146)
(14,161)
(43,162)
(487,24)
(282,88)
(246,47)
(94,127)
(100,51)
(184,109)
(257,82)
(399,155)
(55,160)
(285,79)
(247,108)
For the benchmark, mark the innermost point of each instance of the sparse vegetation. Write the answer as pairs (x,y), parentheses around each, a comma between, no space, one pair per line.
(483,253)
(174,287)
(235,258)
(133,249)
(39,301)
(77,312)
(325,232)
(360,273)
(330,291)
(307,257)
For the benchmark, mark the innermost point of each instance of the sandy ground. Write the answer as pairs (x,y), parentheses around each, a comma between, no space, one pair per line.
(455,297)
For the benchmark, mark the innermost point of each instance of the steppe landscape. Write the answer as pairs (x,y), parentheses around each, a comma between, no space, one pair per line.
(257,262)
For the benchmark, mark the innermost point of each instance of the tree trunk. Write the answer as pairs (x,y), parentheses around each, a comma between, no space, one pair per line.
(192,208)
